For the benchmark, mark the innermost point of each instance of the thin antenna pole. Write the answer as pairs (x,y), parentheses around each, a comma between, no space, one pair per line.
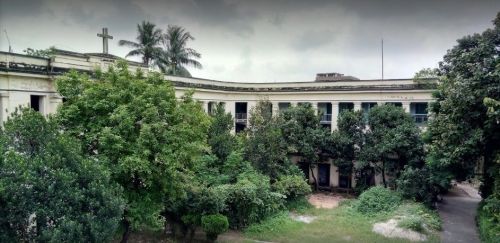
(382,58)
(8,40)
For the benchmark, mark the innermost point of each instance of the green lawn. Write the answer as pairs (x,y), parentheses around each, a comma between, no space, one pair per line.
(342,224)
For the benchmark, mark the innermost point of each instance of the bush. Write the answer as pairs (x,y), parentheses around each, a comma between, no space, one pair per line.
(415,184)
(250,199)
(213,225)
(488,221)
(292,186)
(378,199)
(412,222)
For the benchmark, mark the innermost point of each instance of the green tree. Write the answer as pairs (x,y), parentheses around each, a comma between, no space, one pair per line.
(304,136)
(392,141)
(220,138)
(49,191)
(148,43)
(176,55)
(461,133)
(149,140)
(264,146)
(349,140)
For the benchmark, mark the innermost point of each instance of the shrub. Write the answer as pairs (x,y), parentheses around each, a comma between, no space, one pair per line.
(213,225)
(429,217)
(250,199)
(414,184)
(412,222)
(488,222)
(292,186)
(378,199)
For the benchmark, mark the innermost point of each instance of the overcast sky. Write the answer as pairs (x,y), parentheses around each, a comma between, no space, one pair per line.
(262,41)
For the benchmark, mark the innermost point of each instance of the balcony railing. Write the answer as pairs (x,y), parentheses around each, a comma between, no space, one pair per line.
(326,118)
(241,117)
(420,118)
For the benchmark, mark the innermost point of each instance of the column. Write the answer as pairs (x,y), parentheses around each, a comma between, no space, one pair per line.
(314,106)
(230,107)
(250,106)
(276,108)
(293,103)
(406,106)
(4,105)
(204,105)
(379,103)
(54,102)
(357,106)
(335,114)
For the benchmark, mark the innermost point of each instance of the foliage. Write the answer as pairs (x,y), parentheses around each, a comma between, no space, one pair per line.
(421,184)
(147,45)
(220,138)
(47,53)
(350,139)
(213,225)
(378,199)
(149,140)
(488,223)
(392,142)
(175,54)
(461,132)
(426,78)
(293,187)
(412,222)
(350,225)
(264,145)
(250,199)
(48,190)
(428,218)
(303,136)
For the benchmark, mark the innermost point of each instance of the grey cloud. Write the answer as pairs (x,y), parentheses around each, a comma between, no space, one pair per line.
(313,39)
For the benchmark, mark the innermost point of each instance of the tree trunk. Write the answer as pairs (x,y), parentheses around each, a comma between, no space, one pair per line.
(383,174)
(126,234)
(314,178)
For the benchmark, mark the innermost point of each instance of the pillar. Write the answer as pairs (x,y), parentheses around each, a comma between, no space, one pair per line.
(230,107)
(314,106)
(4,105)
(335,114)
(276,108)
(357,106)
(406,106)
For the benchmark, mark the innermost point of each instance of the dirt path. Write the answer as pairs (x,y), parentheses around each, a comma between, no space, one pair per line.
(458,212)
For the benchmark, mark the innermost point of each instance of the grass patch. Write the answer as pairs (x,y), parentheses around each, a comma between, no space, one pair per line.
(341,224)
(413,213)
(300,205)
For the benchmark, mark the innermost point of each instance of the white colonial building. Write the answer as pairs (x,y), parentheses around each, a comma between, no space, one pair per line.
(29,81)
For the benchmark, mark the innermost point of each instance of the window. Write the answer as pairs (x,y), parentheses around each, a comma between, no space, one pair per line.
(419,112)
(345,106)
(283,106)
(397,104)
(240,118)
(366,107)
(36,103)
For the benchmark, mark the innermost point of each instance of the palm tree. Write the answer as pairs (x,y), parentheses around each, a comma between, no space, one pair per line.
(176,55)
(147,45)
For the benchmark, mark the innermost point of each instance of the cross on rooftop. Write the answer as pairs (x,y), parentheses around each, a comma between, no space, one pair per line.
(105,38)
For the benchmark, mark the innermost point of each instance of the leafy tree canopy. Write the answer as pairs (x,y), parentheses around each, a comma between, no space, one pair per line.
(49,191)
(149,140)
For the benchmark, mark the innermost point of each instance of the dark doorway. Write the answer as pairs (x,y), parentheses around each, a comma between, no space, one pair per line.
(324,175)
(304,167)
(35,102)
(344,179)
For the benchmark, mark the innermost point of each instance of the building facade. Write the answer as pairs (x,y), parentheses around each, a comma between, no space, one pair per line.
(29,81)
